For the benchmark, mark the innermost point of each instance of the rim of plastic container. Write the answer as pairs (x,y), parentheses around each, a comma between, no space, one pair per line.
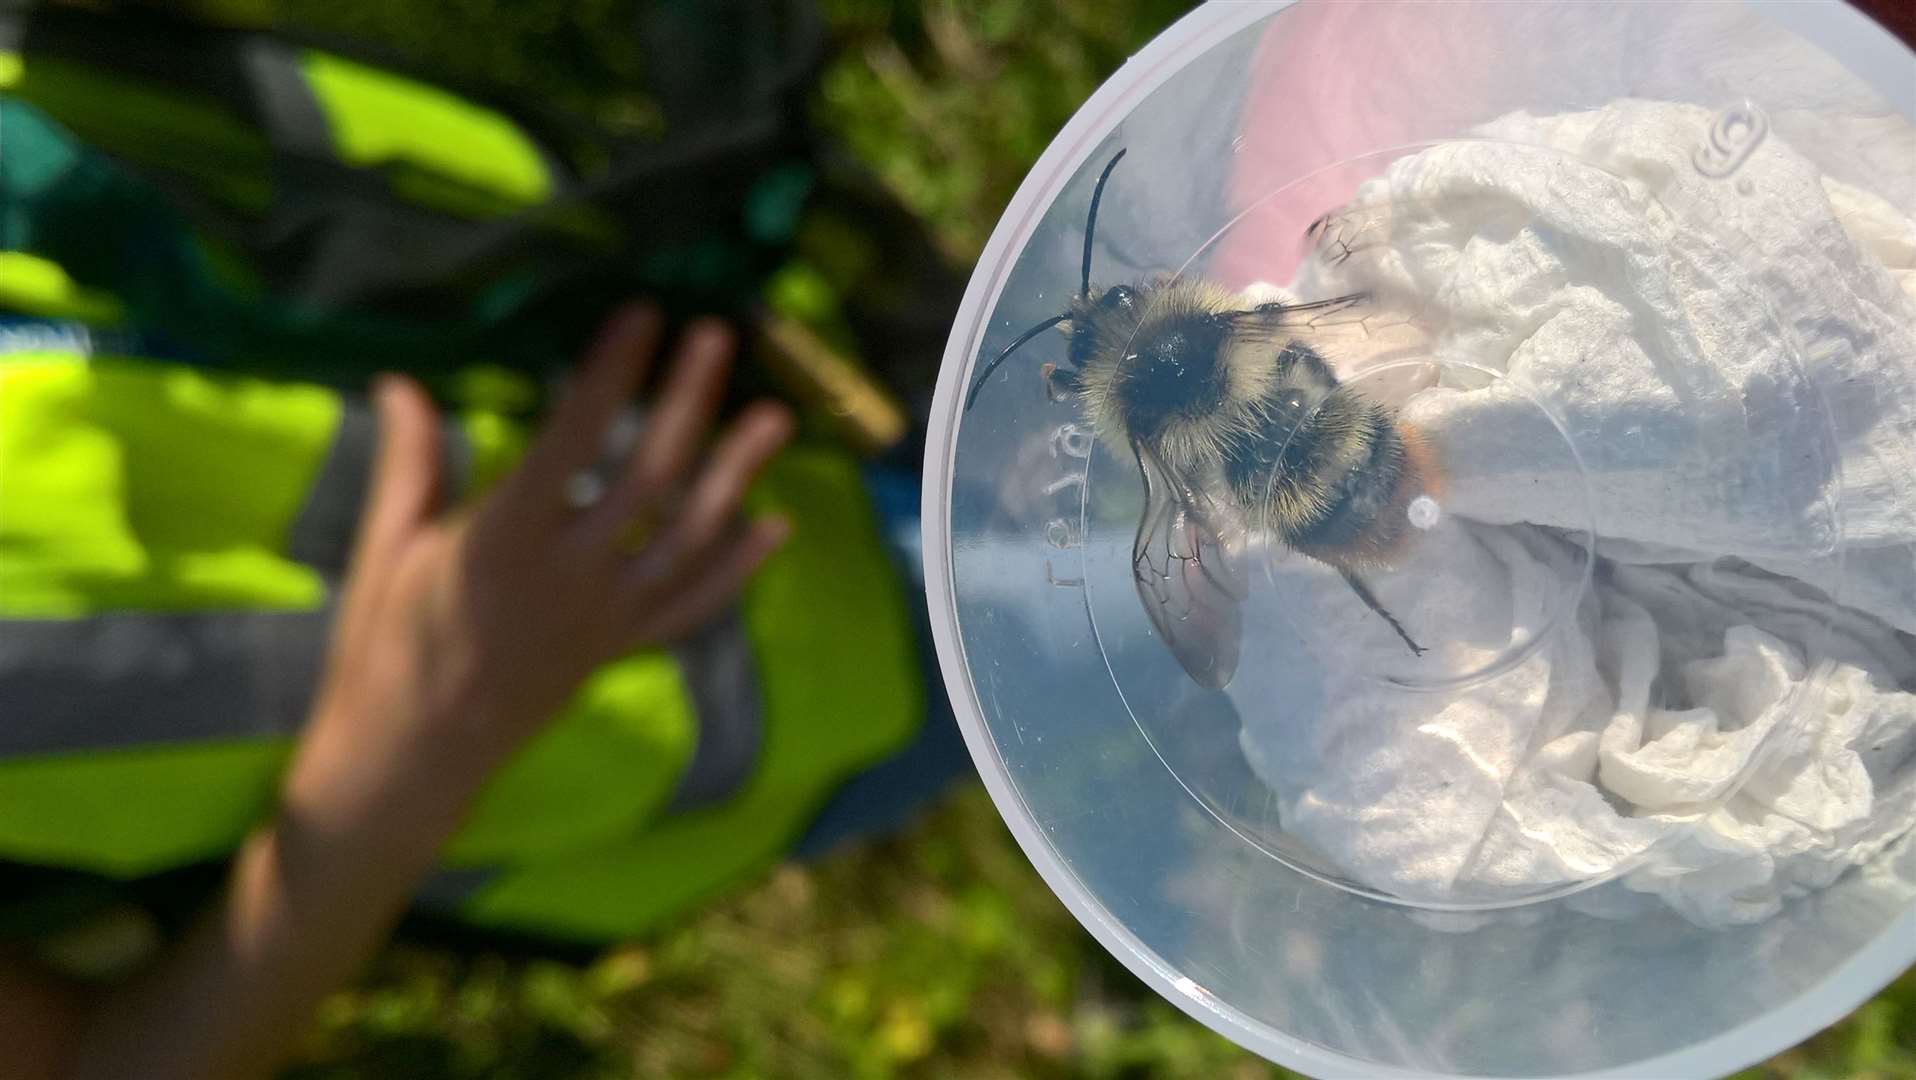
(1866,49)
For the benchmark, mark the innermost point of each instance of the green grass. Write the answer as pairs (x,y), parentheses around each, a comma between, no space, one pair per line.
(950,103)
(939,953)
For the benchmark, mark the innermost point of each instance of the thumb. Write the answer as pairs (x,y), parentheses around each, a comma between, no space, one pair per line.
(405,481)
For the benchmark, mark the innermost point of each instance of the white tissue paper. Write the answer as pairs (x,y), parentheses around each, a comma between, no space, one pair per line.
(1700,338)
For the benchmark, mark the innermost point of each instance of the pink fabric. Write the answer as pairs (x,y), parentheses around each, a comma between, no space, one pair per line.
(1335,80)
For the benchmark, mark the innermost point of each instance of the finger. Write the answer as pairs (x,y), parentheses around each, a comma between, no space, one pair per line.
(673,433)
(707,590)
(714,500)
(685,409)
(574,432)
(736,461)
(404,488)
(405,481)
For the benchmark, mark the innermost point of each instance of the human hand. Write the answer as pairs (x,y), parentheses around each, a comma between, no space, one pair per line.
(459,636)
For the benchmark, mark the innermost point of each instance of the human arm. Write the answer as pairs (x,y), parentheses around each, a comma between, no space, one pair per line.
(457,637)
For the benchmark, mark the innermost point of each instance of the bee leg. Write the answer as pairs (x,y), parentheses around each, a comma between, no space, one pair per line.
(1363,593)
(1059,383)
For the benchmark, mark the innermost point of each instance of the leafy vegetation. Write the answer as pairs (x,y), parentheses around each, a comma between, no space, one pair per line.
(950,102)
(938,953)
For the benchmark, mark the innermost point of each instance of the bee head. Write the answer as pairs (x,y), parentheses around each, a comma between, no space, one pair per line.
(1096,322)
(1120,298)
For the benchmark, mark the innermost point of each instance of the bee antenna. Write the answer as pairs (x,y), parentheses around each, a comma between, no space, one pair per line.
(1091,220)
(979,384)
(1090,231)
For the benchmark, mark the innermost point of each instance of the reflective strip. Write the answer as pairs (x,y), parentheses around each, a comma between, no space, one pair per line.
(120,679)
(716,665)
(321,535)
(143,678)
(134,679)
(295,122)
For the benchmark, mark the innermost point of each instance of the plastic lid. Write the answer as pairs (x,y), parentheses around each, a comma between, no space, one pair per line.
(1409,545)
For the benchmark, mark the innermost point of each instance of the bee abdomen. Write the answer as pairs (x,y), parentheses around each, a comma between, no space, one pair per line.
(1334,486)
(1358,522)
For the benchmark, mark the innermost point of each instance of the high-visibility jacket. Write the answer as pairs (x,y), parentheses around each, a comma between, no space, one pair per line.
(182,462)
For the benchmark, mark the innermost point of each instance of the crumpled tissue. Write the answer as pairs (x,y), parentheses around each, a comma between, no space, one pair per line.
(1724,718)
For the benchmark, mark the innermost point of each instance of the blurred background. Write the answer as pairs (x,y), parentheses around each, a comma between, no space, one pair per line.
(937,952)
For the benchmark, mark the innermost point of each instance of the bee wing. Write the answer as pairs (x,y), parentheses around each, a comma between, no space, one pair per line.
(1350,231)
(1352,240)
(1349,331)
(1184,572)
(1321,324)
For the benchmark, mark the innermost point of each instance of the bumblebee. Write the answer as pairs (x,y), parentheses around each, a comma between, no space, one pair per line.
(1238,425)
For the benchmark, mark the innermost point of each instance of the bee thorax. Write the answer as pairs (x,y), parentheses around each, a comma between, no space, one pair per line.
(1171,375)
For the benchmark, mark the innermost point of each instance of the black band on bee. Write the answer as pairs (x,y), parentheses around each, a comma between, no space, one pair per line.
(1359,499)
(1325,465)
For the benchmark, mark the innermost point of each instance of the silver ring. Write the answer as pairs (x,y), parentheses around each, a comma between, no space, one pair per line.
(587,487)
(584,489)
